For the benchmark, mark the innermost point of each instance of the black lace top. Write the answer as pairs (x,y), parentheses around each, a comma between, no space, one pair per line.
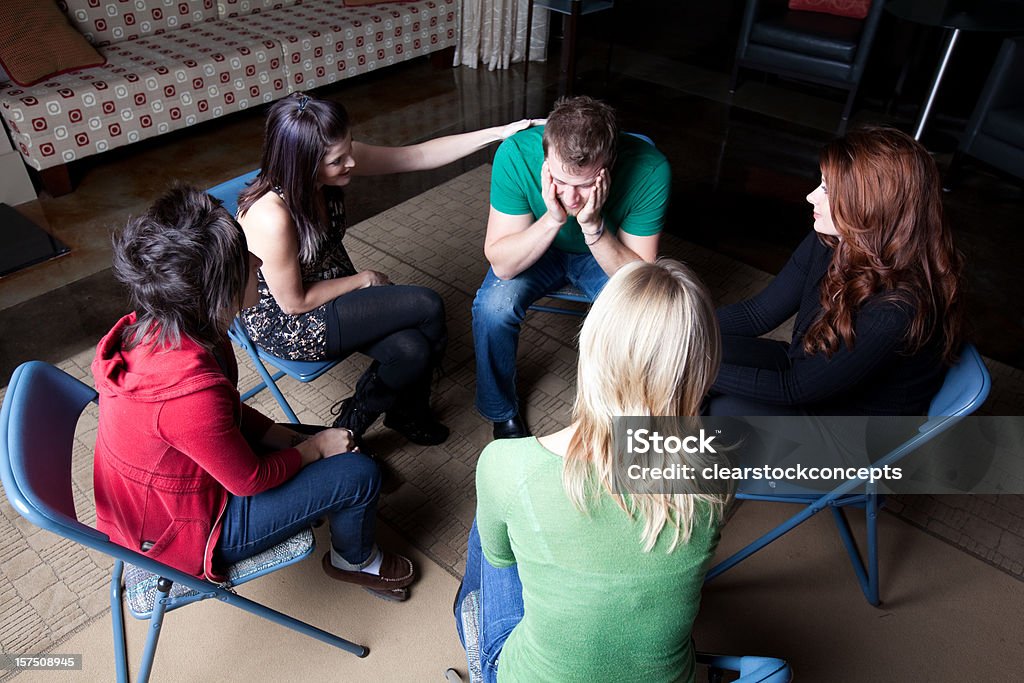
(303,336)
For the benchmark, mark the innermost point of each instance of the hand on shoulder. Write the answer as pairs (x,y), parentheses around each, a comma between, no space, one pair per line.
(511,129)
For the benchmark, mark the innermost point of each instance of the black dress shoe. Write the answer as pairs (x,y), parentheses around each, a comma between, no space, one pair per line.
(512,428)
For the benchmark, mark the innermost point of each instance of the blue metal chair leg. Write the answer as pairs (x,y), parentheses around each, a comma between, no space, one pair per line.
(771,536)
(295,624)
(871,510)
(867,575)
(260,387)
(117,618)
(156,622)
(269,383)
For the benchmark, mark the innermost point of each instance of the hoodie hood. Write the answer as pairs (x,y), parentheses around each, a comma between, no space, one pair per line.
(149,374)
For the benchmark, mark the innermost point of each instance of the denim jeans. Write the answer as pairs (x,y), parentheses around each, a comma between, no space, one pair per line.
(498,312)
(344,487)
(501,604)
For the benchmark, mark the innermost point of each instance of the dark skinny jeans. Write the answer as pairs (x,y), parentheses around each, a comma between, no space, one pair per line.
(402,327)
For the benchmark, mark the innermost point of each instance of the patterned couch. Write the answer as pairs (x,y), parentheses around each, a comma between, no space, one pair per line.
(174,63)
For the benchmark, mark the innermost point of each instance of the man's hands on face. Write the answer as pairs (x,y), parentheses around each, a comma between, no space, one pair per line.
(556,211)
(589,216)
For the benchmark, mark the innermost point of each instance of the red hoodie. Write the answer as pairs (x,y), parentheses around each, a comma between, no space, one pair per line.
(173,442)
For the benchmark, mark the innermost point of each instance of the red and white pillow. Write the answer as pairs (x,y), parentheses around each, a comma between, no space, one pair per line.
(855,9)
(36,41)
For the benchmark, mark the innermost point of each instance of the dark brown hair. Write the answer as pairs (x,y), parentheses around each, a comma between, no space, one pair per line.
(299,130)
(186,264)
(583,131)
(886,201)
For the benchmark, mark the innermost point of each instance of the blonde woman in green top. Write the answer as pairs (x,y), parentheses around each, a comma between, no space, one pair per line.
(568,579)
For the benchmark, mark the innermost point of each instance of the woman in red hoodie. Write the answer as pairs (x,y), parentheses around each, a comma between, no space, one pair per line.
(185,471)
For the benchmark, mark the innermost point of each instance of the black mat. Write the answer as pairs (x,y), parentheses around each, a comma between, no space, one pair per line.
(23,243)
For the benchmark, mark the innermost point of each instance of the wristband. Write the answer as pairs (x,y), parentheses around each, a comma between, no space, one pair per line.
(596,234)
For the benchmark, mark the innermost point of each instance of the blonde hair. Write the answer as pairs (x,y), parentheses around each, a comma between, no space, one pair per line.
(650,346)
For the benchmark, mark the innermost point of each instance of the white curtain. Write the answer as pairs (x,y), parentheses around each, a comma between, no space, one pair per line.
(493,33)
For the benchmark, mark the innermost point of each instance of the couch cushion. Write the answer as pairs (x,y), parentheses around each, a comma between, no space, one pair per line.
(856,9)
(240,8)
(37,41)
(324,41)
(148,87)
(810,33)
(105,22)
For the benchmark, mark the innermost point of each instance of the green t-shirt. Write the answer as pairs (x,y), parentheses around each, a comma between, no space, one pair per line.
(637,199)
(596,607)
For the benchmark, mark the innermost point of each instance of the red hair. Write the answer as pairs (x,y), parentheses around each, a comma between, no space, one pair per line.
(886,200)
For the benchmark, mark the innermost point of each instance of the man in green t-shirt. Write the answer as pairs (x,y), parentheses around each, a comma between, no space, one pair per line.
(571,203)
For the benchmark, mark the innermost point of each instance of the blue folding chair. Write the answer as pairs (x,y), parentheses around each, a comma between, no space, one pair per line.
(302,371)
(37,431)
(964,389)
(751,669)
(571,293)
(228,191)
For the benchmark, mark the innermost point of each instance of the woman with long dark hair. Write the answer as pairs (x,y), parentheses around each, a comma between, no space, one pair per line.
(877,290)
(314,304)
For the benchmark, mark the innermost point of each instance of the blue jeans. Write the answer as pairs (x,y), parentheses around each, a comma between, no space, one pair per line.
(498,312)
(501,604)
(344,487)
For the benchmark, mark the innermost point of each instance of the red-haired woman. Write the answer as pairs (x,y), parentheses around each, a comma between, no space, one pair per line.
(876,289)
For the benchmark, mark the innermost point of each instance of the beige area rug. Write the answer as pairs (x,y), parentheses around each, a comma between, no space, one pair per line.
(49,588)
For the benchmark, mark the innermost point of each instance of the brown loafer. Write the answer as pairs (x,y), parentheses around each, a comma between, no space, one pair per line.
(395,595)
(396,572)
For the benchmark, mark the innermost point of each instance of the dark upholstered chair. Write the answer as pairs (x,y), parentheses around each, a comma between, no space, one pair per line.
(995,133)
(809,46)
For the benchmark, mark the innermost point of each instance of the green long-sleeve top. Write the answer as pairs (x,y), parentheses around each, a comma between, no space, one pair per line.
(597,607)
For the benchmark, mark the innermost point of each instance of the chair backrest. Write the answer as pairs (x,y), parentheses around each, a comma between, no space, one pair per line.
(37,432)
(229,190)
(868,28)
(643,137)
(965,388)
(238,334)
(1003,94)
